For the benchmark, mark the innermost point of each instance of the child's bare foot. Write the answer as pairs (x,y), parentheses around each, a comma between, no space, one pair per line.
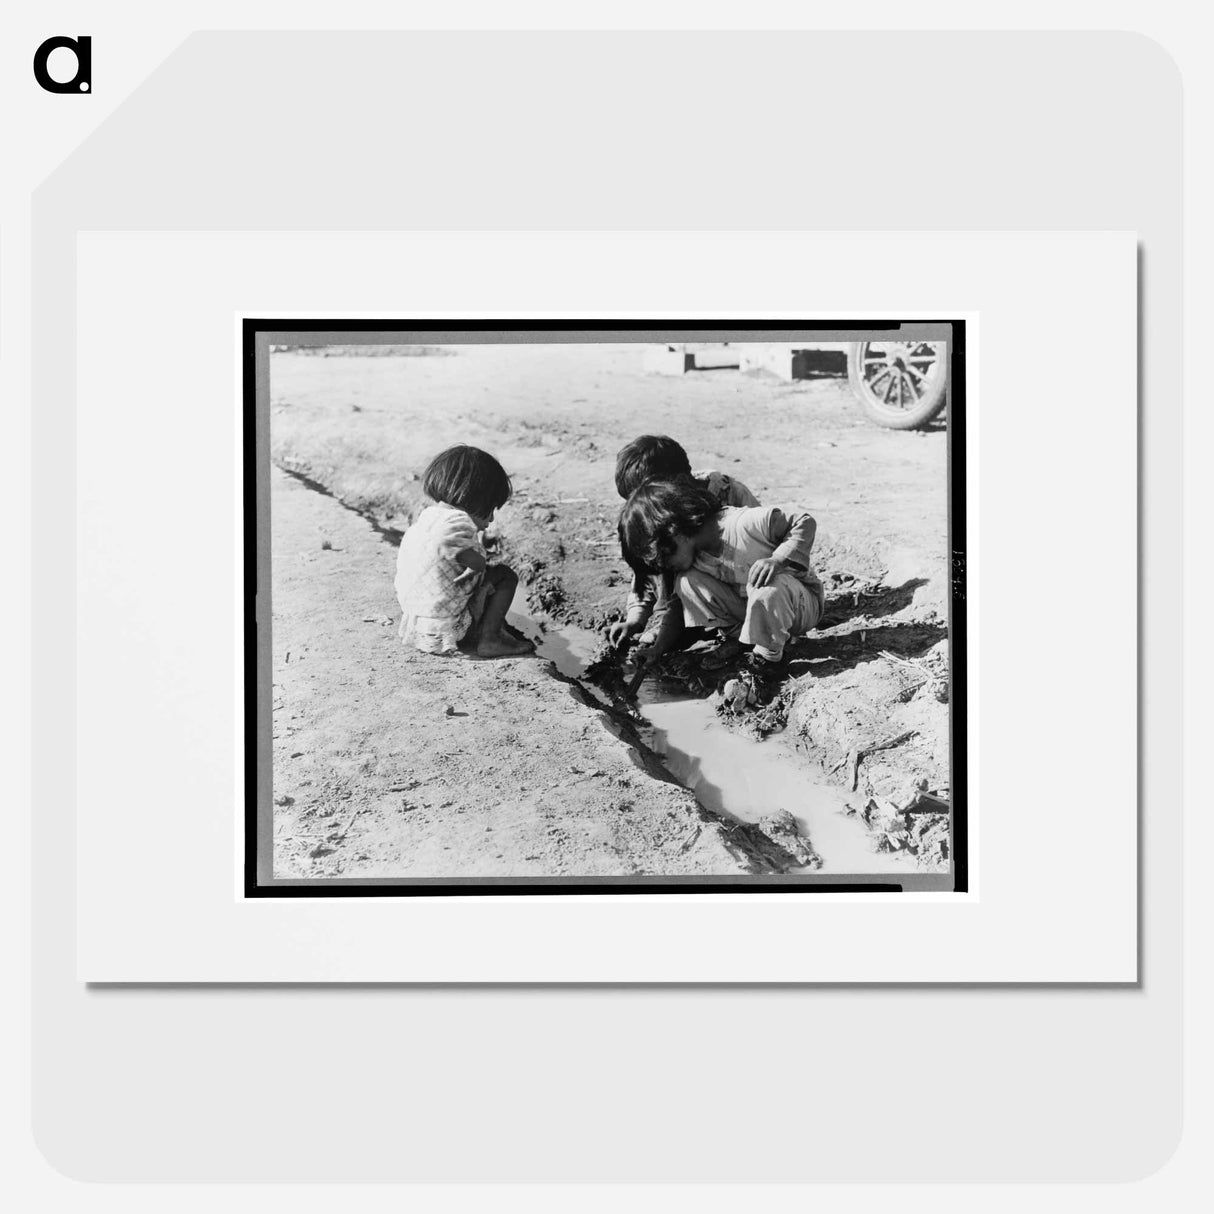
(503,646)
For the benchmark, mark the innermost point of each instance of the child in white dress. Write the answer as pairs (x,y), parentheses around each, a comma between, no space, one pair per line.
(452,600)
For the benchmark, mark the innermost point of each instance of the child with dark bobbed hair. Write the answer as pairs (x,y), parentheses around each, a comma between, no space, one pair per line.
(452,600)
(652,457)
(743,570)
(657,457)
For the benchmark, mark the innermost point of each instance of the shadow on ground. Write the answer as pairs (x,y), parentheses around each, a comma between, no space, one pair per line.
(847,604)
(847,650)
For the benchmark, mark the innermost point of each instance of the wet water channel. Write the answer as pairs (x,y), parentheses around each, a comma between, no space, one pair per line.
(728,771)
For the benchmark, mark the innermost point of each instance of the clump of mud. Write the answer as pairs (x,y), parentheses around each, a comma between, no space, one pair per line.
(920,827)
(781,828)
(771,845)
(545,591)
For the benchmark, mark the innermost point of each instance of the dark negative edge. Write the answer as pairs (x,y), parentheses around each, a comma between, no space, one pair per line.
(674,331)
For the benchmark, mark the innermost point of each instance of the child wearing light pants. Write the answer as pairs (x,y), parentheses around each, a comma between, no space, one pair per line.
(746,571)
(657,457)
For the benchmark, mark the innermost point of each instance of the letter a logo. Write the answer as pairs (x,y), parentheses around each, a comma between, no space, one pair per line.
(82,81)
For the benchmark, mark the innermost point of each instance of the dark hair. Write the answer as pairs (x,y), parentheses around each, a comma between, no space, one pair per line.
(467,478)
(655,513)
(652,457)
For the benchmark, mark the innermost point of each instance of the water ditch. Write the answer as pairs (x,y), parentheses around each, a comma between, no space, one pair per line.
(731,775)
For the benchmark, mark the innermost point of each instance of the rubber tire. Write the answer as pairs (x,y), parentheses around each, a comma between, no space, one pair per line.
(893,419)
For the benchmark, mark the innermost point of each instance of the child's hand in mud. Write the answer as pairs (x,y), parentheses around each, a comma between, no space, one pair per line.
(763,570)
(645,656)
(620,633)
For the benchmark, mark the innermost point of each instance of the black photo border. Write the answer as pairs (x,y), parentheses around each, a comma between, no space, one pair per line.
(258,757)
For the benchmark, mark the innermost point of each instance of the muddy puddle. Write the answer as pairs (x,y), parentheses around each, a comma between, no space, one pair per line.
(729,772)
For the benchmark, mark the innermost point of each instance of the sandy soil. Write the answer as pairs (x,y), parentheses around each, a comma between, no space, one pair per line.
(378,760)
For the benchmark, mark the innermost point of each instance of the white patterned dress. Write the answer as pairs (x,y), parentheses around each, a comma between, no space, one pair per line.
(436,612)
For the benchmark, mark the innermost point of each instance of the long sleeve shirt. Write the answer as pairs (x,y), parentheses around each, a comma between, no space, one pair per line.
(647,597)
(747,535)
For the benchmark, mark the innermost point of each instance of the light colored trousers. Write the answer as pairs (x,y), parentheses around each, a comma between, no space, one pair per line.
(769,614)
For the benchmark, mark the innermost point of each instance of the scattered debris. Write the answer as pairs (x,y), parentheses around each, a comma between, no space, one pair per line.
(859,753)
(920,828)
(781,827)
(735,696)
(935,684)
(341,834)
(926,803)
(690,838)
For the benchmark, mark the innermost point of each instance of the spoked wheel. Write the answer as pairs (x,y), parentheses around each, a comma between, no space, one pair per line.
(899,383)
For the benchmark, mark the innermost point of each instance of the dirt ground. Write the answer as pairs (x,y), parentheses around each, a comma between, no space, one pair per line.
(388,762)
(393,763)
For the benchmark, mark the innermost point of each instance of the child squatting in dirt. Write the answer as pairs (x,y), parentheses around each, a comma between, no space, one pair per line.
(452,599)
(656,457)
(745,571)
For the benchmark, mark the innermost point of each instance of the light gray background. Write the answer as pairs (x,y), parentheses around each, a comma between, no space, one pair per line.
(552,131)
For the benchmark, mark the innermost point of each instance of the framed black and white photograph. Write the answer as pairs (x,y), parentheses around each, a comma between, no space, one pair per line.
(533,634)
(604,607)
